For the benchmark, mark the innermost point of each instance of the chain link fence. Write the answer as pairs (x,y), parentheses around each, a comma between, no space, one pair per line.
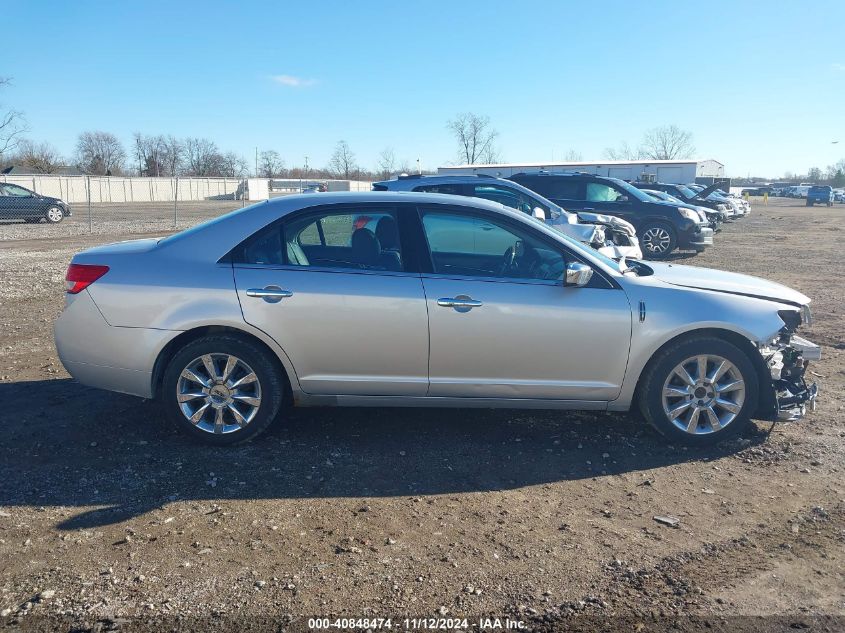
(44,206)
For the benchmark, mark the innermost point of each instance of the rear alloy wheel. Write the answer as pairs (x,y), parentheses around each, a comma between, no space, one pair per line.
(54,215)
(700,392)
(658,240)
(222,390)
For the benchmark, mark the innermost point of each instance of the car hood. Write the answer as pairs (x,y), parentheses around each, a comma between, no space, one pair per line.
(705,193)
(731,283)
(609,220)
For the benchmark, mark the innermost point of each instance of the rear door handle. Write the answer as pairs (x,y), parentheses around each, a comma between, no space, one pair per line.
(270,294)
(460,303)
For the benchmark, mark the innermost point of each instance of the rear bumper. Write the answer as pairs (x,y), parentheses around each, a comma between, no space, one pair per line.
(100,355)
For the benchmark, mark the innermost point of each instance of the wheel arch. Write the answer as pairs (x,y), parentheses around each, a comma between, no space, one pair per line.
(177,342)
(766,403)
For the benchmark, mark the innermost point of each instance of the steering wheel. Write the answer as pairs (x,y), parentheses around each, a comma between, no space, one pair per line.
(515,260)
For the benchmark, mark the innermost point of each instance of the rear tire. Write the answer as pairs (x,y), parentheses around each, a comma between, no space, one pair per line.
(699,408)
(657,239)
(230,387)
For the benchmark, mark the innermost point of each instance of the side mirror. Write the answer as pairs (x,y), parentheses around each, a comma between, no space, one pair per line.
(577,275)
(622,199)
(539,214)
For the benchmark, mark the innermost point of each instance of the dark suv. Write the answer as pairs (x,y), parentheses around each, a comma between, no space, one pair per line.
(662,227)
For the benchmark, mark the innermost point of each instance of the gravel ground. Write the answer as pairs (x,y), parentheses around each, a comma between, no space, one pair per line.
(109,519)
(120,221)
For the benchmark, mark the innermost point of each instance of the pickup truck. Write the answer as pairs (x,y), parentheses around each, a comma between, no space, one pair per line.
(823,194)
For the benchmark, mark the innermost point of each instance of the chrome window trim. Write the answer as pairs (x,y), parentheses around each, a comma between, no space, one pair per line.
(500,280)
(326,269)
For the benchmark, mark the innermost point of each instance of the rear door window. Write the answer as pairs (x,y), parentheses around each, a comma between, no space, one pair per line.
(554,188)
(365,238)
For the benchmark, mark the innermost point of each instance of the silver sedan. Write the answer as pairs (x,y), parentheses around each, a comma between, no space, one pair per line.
(418,299)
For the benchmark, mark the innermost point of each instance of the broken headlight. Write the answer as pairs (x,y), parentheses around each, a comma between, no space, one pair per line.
(791,319)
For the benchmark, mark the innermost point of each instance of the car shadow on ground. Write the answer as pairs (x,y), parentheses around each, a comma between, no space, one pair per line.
(113,457)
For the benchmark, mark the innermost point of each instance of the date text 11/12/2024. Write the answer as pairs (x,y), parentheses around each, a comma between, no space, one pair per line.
(416,624)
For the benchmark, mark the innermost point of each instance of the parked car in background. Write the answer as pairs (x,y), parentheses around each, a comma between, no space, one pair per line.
(756,191)
(611,236)
(839,195)
(661,227)
(821,194)
(20,203)
(742,206)
(713,218)
(289,302)
(798,191)
(688,196)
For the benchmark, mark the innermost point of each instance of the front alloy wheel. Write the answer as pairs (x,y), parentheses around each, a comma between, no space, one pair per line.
(658,240)
(54,215)
(699,390)
(703,394)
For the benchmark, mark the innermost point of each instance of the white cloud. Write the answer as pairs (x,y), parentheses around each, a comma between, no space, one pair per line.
(293,82)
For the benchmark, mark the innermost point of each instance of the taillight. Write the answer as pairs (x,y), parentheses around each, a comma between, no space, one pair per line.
(80,276)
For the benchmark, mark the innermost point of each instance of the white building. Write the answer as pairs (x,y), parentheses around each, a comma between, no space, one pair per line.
(668,171)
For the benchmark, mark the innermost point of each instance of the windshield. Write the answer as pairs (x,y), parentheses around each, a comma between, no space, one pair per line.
(668,197)
(632,191)
(686,191)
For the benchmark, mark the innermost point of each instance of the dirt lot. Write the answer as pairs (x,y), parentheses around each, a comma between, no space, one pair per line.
(108,518)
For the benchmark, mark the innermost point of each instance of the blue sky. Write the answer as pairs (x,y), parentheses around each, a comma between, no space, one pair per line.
(552,76)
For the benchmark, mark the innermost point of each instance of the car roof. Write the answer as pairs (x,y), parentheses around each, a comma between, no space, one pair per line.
(222,233)
(415,180)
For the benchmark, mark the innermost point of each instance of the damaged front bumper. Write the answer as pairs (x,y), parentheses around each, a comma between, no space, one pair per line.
(787,360)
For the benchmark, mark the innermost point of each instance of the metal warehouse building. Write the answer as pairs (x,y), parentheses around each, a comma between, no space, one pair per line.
(669,171)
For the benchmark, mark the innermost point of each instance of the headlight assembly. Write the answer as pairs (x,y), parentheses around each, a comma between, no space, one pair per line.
(689,214)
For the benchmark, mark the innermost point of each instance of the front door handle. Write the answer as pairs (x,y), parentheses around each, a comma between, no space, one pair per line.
(461,303)
(270,294)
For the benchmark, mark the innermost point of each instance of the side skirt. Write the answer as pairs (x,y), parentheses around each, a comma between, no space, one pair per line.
(303,400)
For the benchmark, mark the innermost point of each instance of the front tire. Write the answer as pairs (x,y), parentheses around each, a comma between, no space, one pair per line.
(222,390)
(54,215)
(658,240)
(700,391)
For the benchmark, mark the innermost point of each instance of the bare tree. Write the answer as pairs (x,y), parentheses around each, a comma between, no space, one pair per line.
(623,152)
(386,163)
(202,158)
(667,143)
(41,158)
(150,151)
(100,153)
(475,137)
(12,125)
(573,156)
(814,175)
(270,164)
(342,162)
(172,153)
(234,165)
